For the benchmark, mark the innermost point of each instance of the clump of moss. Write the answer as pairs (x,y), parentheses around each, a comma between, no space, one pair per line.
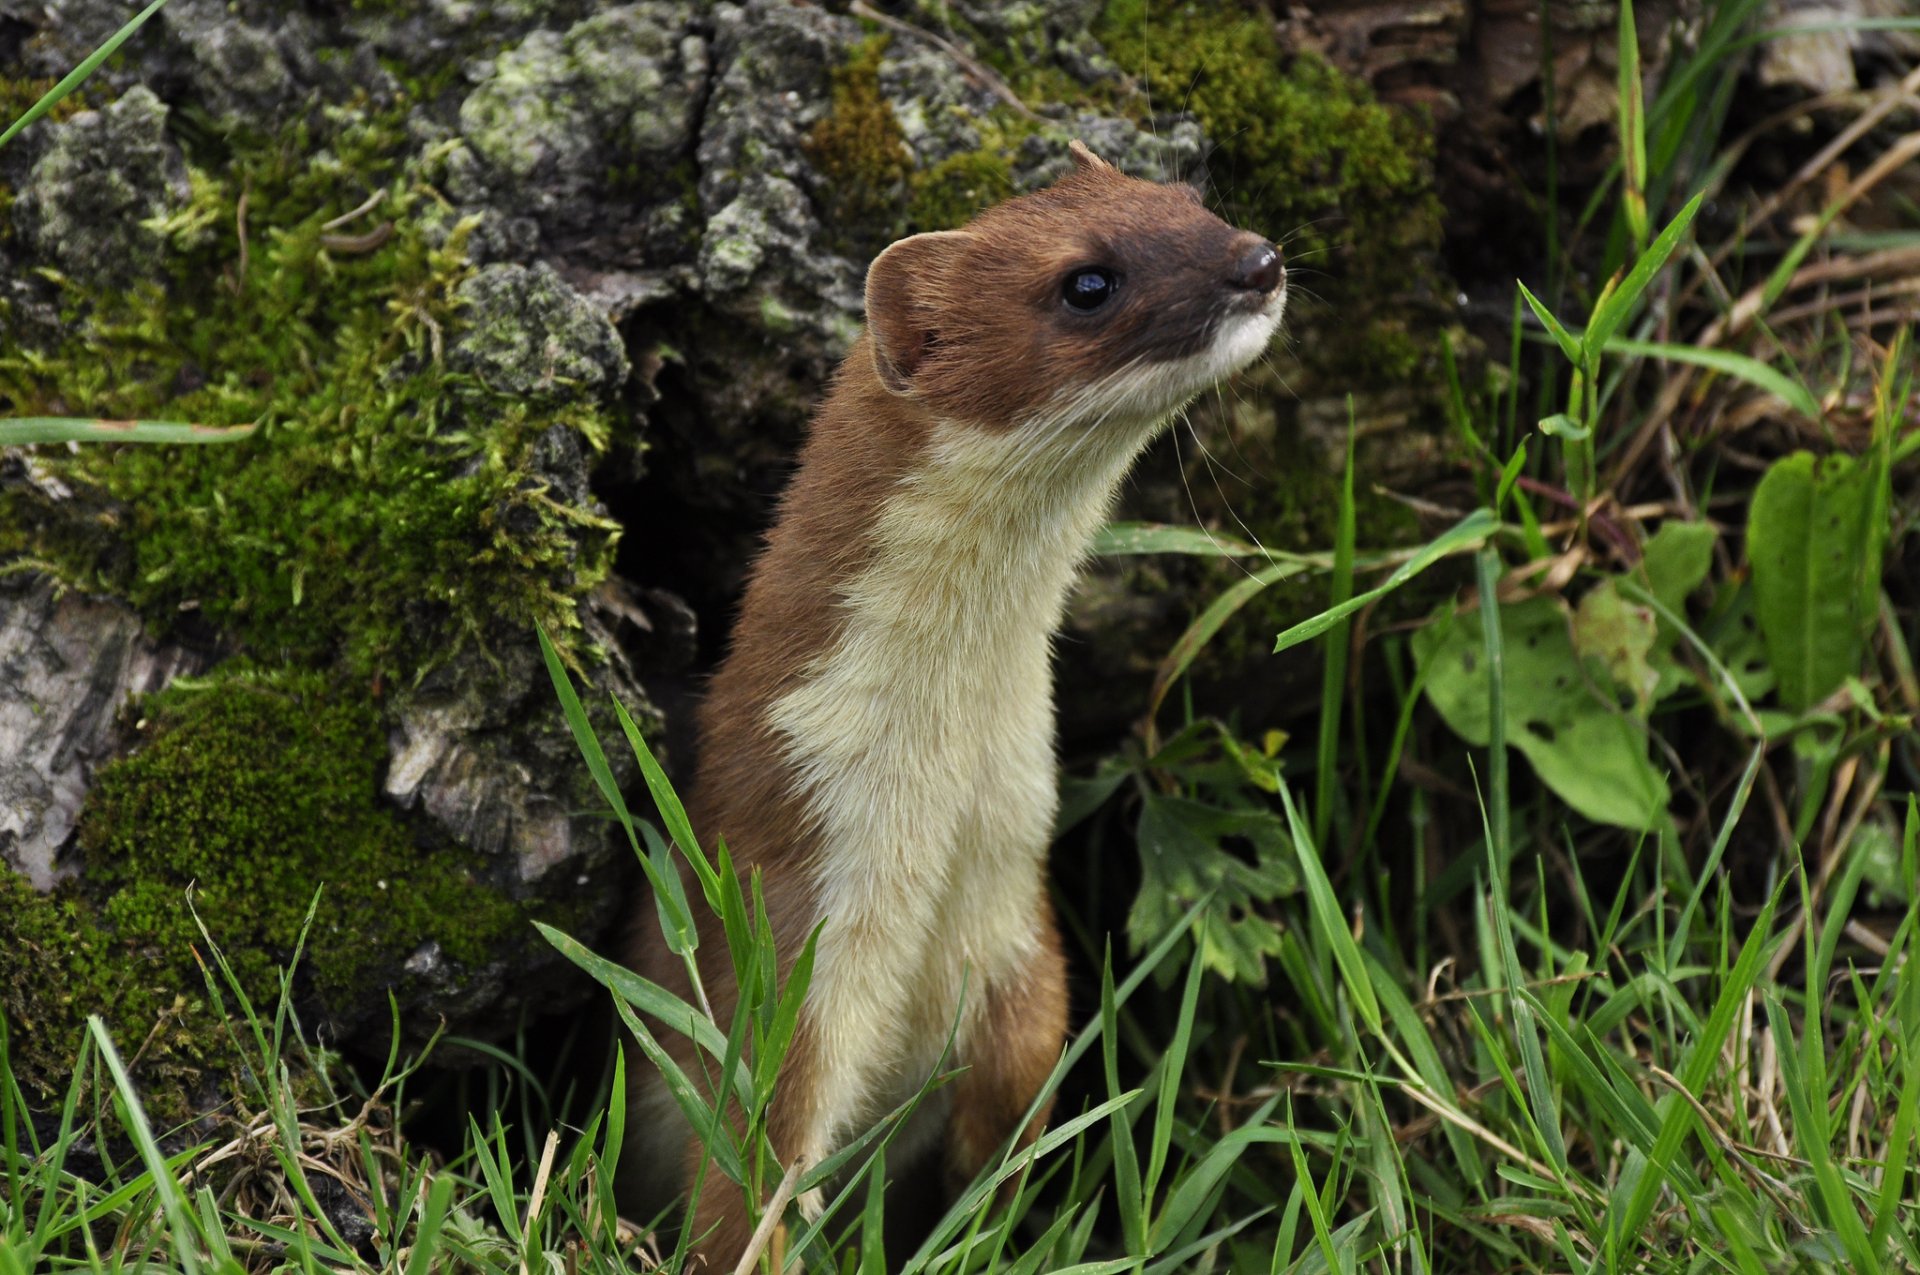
(64,961)
(1297,139)
(859,148)
(262,789)
(874,190)
(952,192)
(255,790)
(387,509)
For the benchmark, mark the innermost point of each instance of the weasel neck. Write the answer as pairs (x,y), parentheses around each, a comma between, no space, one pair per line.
(974,550)
(942,634)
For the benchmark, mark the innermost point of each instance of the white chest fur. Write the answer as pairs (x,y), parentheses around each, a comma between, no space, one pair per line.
(924,742)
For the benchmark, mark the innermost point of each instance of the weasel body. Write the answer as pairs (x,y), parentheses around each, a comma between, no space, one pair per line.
(879,742)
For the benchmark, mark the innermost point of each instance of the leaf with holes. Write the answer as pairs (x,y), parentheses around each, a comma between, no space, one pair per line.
(1816,531)
(1243,857)
(1589,752)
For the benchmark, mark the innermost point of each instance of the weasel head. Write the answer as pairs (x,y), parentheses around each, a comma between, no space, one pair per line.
(1101,301)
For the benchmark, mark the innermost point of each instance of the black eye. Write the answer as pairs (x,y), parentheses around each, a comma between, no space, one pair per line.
(1087,290)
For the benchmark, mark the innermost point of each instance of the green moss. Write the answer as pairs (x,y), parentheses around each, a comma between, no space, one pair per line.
(952,192)
(859,149)
(64,962)
(875,191)
(262,788)
(387,510)
(256,791)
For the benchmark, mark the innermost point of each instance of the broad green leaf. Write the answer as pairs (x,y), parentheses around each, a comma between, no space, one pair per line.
(1588,751)
(1676,560)
(1675,563)
(1237,860)
(1734,635)
(1816,532)
(19,431)
(1080,797)
(1621,638)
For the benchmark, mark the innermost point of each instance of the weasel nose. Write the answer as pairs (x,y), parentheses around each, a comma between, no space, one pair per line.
(1259,268)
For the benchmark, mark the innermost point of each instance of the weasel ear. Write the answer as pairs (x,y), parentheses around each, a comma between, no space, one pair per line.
(1085,160)
(904,287)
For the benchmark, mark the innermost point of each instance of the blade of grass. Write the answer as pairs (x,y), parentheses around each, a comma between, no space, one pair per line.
(1172,1067)
(1626,1226)
(1209,622)
(426,1236)
(1124,539)
(74,78)
(1328,919)
(19,431)
(1333,678)
(1469,533)
(186,1245)
(1739,366)
(1127,1192)
(1633,128)
(1615,310)
(1568,346)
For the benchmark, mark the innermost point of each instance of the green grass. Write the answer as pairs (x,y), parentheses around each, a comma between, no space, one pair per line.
(1417,993)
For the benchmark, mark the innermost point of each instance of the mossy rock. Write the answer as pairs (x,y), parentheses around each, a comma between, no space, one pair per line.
(413,503)
(251,803)
(389,508)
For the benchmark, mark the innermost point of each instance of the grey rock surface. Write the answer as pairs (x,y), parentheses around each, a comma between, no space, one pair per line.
(244,71)
(105,178)
(483,751)
(69,665)
(528,332)
(583,131)
(761,252)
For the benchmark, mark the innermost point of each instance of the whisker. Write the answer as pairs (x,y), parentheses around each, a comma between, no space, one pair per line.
(1182,418)
(1240,522)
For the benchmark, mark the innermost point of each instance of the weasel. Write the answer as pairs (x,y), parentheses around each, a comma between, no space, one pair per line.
(879,741)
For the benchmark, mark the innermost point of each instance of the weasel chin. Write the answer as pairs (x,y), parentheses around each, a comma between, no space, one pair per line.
(1242,338)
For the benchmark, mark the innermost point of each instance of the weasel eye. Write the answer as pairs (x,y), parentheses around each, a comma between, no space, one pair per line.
(1087,290)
